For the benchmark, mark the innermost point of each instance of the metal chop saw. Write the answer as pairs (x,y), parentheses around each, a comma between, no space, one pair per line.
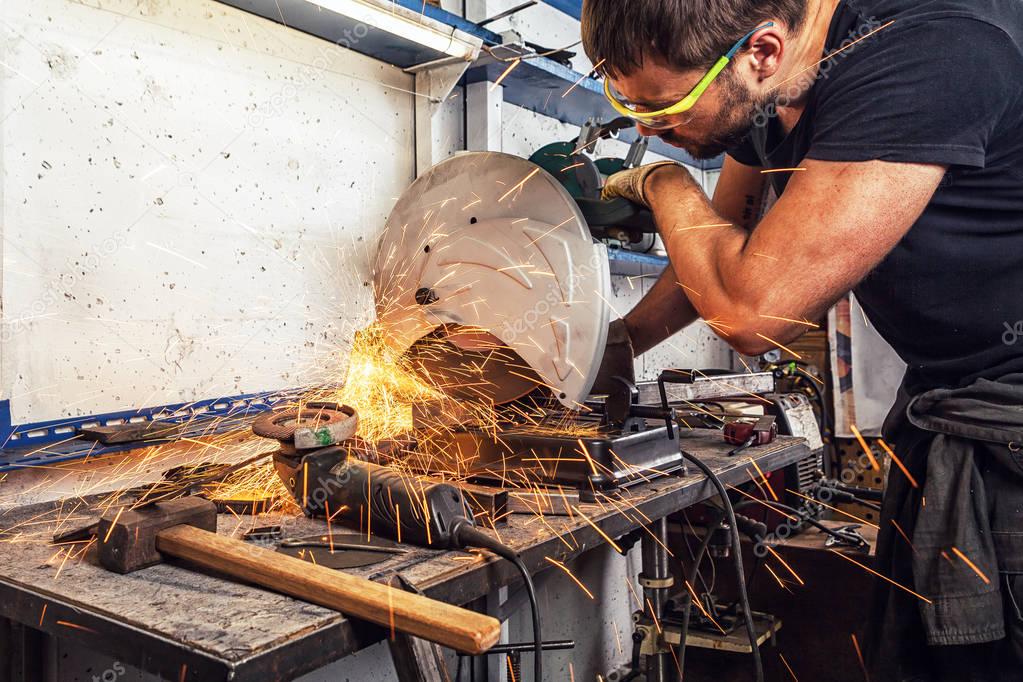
(488,280)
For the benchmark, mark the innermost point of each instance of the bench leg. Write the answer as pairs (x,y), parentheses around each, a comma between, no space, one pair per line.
(22,652)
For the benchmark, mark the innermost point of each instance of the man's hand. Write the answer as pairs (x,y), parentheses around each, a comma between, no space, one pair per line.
(631,184)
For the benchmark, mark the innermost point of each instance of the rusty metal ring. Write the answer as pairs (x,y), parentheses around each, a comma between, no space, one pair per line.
(340,421)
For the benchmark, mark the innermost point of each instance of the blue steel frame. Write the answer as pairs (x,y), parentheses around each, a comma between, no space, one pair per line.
(50,442)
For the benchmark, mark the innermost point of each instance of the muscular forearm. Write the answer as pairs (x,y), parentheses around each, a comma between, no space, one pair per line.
(723,278)
(666,309)
(835,223)
(663,311)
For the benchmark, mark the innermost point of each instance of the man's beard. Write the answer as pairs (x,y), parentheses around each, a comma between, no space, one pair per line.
(731,127)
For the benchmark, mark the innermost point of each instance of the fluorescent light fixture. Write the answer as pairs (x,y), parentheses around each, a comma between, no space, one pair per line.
(401,22)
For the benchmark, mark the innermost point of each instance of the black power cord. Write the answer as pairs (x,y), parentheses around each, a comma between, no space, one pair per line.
(737,555)
(690,578)
(465,534)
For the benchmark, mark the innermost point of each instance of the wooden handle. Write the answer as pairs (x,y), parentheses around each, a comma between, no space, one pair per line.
(451,626)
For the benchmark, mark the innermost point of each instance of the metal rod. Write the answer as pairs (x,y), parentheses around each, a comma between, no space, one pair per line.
(508,12)
(655,567)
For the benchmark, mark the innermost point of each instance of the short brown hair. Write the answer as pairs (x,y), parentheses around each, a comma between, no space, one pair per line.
(687,34)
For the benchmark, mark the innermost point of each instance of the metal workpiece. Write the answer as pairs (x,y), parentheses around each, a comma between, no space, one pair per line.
(310,426)
(708,386)
(493,244)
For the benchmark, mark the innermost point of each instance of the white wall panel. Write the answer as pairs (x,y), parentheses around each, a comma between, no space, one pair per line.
(191,194)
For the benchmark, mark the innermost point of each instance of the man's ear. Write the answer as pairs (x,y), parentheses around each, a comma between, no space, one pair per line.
(764,55)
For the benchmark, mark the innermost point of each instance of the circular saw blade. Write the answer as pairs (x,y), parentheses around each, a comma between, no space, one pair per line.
(487,372)
(491,243)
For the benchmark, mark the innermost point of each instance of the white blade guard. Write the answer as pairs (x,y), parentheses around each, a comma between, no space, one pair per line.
(493,242)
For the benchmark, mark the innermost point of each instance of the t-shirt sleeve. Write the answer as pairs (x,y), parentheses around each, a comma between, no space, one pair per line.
(746,154)
(929,92)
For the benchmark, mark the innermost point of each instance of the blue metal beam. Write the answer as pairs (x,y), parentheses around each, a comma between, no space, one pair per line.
(50,442)
(632,263)
(573,8)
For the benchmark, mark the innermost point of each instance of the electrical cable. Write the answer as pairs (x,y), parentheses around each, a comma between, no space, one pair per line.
(692,555)
(737,555)
(467,535)
(690,577)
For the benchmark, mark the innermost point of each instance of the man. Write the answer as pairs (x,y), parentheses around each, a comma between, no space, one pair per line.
(903,120)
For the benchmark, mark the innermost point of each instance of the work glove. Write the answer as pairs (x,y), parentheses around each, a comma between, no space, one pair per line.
(618,361)
(631,184)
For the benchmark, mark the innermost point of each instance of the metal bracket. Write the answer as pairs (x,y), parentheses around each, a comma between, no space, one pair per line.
(434,82)
(637,150)
(656,583)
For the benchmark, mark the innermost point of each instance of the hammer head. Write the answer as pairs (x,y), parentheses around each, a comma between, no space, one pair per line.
(127,540)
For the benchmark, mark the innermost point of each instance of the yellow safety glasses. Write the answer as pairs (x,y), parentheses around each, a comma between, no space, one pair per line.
(663,119)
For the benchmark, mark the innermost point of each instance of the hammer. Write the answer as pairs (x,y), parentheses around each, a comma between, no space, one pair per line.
(186,528)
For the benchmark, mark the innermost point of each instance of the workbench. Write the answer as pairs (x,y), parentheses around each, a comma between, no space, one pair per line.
(186,625)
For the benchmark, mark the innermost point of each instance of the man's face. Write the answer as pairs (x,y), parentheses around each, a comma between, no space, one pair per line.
(721,119)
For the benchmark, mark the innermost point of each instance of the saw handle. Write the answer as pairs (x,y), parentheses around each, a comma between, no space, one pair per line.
(451,626)
(618,212)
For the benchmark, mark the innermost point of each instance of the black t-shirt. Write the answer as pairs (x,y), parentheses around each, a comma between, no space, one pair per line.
(942,85)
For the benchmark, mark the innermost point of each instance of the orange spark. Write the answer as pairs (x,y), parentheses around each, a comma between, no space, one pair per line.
(112,524)
(987,581)
(595,527)
(583,77)
(866,448)
(781,583)
(904,536)
(835,53)
(859,657)
(701,227)
(882,577)
(518,186)
(511,67)
(788,667)
(653,614)
(690,290)
(763,476)
(75,626)
(898,462)
(783,563)
(699,605)
(775,343)
(834,509)
(806,323)
(305,484)
(565,568)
